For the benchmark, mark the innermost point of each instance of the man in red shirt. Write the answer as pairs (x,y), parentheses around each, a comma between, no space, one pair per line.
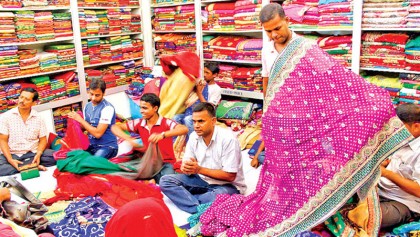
(153,128)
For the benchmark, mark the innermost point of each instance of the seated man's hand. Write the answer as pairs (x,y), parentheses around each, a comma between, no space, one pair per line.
(254,162)
(385,163)
(135,143)
(16,163)
(155,137)
(75,116)
(190,167)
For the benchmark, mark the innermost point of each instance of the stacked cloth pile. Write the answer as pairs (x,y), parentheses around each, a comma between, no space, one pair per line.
(164,18)
(383,50)
(60,117)
(124,73)
(102,22)
(126,47)
(220,16)
(135,25)
(234,48)
(71,81)
(92,74)
(137,48)
(65,53)
(3,100)
(412,54)
(388,81)
(105,49)
(339,47)
(410,93)
(9,61)
(413,18)
(184,17)
(114,20)
(48,61)
(125,18)
(28,61)
(7,28)
(335,13)
(385,14)
(224,77)
(58,88)
(61,3)
(89,22)
(82,22)
(302,14)
(116,48)
(248,79)
(94,50)
(25,26)
(247,14)
(62,24)
(12,94)
(110,80)
(44,26)
(85,51)
(107,3)
(34,3)
(43,86)
(173,43)
(165,2)
(11,3)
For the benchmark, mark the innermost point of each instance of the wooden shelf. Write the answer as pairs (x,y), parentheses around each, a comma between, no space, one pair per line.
(111,62)
(242,93)
(111,35)
(114,90)
(172,4)
(37,74)
(58,103)
(43,8)
(235,61)
(389,70)
(39,42)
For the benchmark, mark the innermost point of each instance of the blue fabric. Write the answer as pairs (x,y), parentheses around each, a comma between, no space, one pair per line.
(107,152)
(406,228)
(307,234)
(92,116)
(86,218)
(261,157)
(186,120)
(167,168)
(134,109)
(187,192)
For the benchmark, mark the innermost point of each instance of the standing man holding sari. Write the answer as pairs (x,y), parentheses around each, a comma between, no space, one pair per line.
(326,132)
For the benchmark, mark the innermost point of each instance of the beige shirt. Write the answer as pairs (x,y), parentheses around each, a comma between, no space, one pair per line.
(23,136)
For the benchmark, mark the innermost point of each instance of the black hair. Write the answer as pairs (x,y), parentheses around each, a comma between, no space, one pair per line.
(205,106)
(151,99)
(33,91)
(408,113)
(97,84)
(270,11)
(212,66)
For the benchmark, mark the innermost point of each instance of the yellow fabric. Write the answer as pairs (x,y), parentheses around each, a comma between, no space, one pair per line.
(180,232)
(21,231)
(174,93)
(250,134)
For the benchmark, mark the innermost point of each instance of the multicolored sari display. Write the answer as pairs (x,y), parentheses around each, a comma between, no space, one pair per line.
(326,131)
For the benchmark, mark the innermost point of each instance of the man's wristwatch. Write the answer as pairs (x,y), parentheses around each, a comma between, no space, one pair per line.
(163,134)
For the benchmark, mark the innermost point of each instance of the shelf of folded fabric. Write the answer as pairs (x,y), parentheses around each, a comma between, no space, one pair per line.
(44,8)
(172,31)
(93,8)
(389,70)
(37,74)
(243,93)
(171,4)
(111,62)
(234,61)
(38,42)
(390,29)
(58,103)
(327,29)
(231,32)
(214,1)
(114,90)
(102,36)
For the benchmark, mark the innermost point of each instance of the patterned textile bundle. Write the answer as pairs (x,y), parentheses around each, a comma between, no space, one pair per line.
(168,44)
(412,54)
(220,16)
(246,14)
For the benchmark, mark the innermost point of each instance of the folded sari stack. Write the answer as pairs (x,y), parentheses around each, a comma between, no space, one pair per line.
(43,86)
(62,24)
(3,100)
(247,14)
(60,119)
(9,61)
(94,50)
(339,47)
(116,48)
(92,22)
(11,3)
(220,16)
(126,71)
(164,2)
(82,22)
(97,3)
(48,61)
(131,2)
(137,48)
(92,74)
(25,26)
(126,47)
(28,61)
(125,20)
(71,82)
(413,17)
(114,20)
(85,51)
(103,23)
(207,52)
(34,3)
(302,14)
(173,43)
(110,80)
(135,24)
(248,79)
(7,28)
(249,50)
(184,17)
(66,54)
(60,3)
(224,77)
(119,75)
(412,54)
(12,94)
(389,81)
(335,13)
(164,18)
(44,26)
(383,50)
(58,88)
(388,14)
(410,93)
(105,50)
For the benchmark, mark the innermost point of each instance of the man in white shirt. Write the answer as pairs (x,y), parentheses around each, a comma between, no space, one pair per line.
(212,164)
(399,186)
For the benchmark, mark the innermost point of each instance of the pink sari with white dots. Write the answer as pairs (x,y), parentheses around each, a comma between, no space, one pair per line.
(326,131)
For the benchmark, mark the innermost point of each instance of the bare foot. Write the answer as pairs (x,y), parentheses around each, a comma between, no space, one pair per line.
(42,168)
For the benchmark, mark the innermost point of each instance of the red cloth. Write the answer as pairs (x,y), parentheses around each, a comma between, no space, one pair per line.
(114,190)
(143,217)
(7,231)
(189,63)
